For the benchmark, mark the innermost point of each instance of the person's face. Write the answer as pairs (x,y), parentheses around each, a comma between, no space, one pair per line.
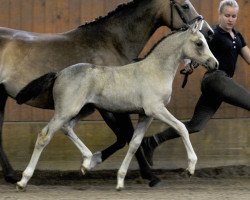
(228,17)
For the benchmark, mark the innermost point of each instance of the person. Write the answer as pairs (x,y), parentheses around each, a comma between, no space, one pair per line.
(217,86)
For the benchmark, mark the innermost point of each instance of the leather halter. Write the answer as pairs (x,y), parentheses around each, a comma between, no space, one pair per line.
(174,4)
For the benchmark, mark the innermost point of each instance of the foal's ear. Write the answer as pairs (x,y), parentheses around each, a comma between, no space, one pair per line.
(196,26)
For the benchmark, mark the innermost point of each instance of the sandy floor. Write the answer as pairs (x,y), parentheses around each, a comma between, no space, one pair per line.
(217,183)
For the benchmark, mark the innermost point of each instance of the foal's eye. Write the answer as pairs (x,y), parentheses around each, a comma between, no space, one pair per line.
(199,44)
(185,6)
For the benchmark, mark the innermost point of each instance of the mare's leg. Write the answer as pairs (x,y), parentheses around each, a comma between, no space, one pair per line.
(122,126)
(115,124)
(8,172)
(134,144)
(164,115)
(44,137)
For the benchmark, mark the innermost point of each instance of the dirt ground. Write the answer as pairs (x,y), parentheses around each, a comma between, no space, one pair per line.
(231,182)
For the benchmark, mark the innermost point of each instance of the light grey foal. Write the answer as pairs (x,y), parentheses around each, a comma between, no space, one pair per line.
(142,87)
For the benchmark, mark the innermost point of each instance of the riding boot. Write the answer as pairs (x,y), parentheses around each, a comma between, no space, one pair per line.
(150,143)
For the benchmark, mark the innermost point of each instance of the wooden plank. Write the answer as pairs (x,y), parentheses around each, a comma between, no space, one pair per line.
(15,14)
(5,13)
(39,16)
(91,9)
(27,15)
(50,16)
(62,16)
(110,5)
(74,13)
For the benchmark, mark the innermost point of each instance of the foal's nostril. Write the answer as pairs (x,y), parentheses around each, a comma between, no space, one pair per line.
(217,65)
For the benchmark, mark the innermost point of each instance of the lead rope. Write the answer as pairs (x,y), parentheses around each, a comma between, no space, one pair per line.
(189,68)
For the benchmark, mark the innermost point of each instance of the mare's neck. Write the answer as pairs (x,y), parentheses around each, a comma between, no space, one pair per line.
(128,28)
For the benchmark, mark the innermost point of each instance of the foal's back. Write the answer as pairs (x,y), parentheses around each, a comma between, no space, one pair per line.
(119,89)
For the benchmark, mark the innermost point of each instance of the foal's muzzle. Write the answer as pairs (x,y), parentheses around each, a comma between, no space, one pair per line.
(212,64)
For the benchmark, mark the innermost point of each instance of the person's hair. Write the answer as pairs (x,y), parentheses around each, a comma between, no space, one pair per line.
(223,3)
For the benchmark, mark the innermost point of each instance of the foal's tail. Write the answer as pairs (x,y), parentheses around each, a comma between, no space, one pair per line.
(36,87)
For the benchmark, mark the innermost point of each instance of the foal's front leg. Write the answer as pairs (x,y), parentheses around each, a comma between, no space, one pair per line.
(43,139)
(164,115)
(143,124)
(123,128)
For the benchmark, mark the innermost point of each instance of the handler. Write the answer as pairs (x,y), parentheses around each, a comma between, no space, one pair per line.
(217,86)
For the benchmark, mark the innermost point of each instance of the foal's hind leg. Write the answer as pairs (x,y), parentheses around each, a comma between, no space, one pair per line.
(44,137)
(164,115)
(86,153)
(134,144)
(8,172)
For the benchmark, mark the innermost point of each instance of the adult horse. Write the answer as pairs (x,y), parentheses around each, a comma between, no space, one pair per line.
(115,39)
(79,87)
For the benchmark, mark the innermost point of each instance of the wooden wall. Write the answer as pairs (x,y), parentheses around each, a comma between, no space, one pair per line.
(62,15)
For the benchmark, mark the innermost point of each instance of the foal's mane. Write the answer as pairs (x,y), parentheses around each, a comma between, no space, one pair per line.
(158,42)
(119,8)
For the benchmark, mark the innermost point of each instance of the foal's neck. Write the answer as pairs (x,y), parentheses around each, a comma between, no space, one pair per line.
(128,28)
(167,54)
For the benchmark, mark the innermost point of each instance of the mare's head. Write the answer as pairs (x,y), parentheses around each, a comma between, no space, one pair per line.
(195,47)
(178,13)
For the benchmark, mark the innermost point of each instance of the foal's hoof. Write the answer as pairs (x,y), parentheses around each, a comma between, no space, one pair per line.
(84,170)
(154,182)
(19,188)
(118,189)
(187,173)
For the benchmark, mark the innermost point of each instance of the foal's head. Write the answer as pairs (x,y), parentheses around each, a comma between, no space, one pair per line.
(178,13)
(195,47)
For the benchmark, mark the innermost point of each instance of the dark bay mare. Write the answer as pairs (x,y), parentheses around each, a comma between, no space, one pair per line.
(78,87)
(115,39)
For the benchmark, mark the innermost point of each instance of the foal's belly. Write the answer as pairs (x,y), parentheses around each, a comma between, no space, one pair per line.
(119,104)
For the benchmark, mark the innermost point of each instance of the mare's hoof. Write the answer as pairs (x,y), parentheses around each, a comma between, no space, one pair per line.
(11,179)
(154,182)
(148,175)
(20,188)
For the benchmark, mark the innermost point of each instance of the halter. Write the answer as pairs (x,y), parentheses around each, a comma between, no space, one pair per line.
(174,4)
(191,66)
(187,71)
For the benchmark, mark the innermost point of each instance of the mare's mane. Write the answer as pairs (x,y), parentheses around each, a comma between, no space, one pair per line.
(119,8)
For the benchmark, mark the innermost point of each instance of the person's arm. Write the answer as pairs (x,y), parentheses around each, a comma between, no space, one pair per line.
(245,53)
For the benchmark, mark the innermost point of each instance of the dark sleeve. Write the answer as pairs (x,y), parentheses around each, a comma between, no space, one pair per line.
(243,42)
(213,44)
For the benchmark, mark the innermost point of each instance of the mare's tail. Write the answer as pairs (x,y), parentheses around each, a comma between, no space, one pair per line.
(36,87)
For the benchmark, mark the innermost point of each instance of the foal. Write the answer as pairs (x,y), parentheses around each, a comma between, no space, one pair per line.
(142,87)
